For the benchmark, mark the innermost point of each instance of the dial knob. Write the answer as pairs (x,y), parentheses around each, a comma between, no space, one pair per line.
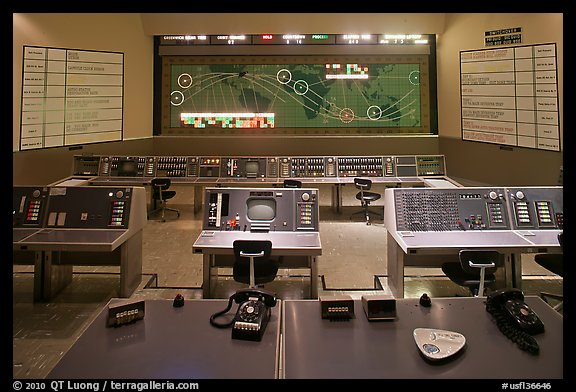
(520,195)
(305,196)
(119,194)
(493,195)
(36,193)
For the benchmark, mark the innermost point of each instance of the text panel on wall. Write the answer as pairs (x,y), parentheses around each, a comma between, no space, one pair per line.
(71,97)
(509,96)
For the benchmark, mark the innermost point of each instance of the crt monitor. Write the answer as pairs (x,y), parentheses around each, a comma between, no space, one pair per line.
(260,209)
(127,167)
(252,168)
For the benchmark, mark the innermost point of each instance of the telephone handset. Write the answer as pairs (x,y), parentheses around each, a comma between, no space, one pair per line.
(252,315)
(514,318)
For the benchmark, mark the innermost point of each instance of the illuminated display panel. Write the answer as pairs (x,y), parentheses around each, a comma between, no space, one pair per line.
(293,39)
(227,120)
(238,39)
(357,39)
(297,84)
(330,95)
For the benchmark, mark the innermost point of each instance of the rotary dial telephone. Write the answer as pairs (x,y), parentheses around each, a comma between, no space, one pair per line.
(252,315)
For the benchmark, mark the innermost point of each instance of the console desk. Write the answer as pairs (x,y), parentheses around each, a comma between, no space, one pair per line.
(170,343)
(317,348)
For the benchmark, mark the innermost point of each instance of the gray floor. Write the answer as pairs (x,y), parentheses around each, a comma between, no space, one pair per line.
(353,262)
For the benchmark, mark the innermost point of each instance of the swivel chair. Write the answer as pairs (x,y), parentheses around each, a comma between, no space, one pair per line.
(161,193)
(366,197)
(553,262)
(289,183)
(475,269)
(252,262)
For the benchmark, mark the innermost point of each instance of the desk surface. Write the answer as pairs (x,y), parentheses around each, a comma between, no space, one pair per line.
(283,242)
(170,343)
(119,180)
(318,348)
(511,240)
(69,239)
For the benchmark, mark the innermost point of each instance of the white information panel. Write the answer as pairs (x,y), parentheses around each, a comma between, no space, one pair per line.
(70,97)
(510,96)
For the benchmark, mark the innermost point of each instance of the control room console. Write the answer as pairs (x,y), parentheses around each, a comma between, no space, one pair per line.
(427,225)
(288,217)
(56,227)
(269,167)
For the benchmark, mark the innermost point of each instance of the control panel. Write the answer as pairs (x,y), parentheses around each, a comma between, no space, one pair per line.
(209,167)
(72,207)
(261,167)
(536,207)
(29,206)
(243,167)
(89,207)
(261,209)
(171,166)
(87,165)
(360,166)
(478,208)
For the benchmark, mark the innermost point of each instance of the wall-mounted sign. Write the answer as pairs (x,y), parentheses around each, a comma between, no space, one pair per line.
(503,36)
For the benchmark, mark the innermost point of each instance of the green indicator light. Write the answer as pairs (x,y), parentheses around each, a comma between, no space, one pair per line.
(319,36)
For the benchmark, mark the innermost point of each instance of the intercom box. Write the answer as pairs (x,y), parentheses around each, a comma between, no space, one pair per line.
(379,307)
(119,315)
(337,306)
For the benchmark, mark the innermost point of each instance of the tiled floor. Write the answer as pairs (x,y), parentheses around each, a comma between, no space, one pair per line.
(353,261)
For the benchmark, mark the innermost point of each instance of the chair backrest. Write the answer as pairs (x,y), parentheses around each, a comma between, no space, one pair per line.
(258,251)
(364,184)
(289,183)
(161,183)
(489,259)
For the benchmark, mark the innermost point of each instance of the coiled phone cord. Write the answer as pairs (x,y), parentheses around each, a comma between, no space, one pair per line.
(522,339)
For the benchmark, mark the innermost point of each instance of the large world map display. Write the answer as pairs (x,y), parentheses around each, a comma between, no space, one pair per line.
(327,95)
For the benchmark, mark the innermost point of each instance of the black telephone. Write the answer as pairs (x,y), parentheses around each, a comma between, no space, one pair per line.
(252,315)
(514,318)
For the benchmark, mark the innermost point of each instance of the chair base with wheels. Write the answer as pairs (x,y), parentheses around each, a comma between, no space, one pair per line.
(163,209)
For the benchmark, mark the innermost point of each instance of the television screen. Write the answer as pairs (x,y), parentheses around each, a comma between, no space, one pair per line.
(127,167)
(252,168)
(261,209)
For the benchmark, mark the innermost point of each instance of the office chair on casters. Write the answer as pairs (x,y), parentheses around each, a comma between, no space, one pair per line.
(253,264)
(161,193)
(366,197)
(553,262)
(475,270)
(289,183)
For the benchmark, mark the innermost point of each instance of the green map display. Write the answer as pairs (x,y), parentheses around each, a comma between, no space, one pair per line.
(336,95)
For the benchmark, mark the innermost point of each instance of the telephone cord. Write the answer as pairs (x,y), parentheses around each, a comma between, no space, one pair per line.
(522,339)
(213,321)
